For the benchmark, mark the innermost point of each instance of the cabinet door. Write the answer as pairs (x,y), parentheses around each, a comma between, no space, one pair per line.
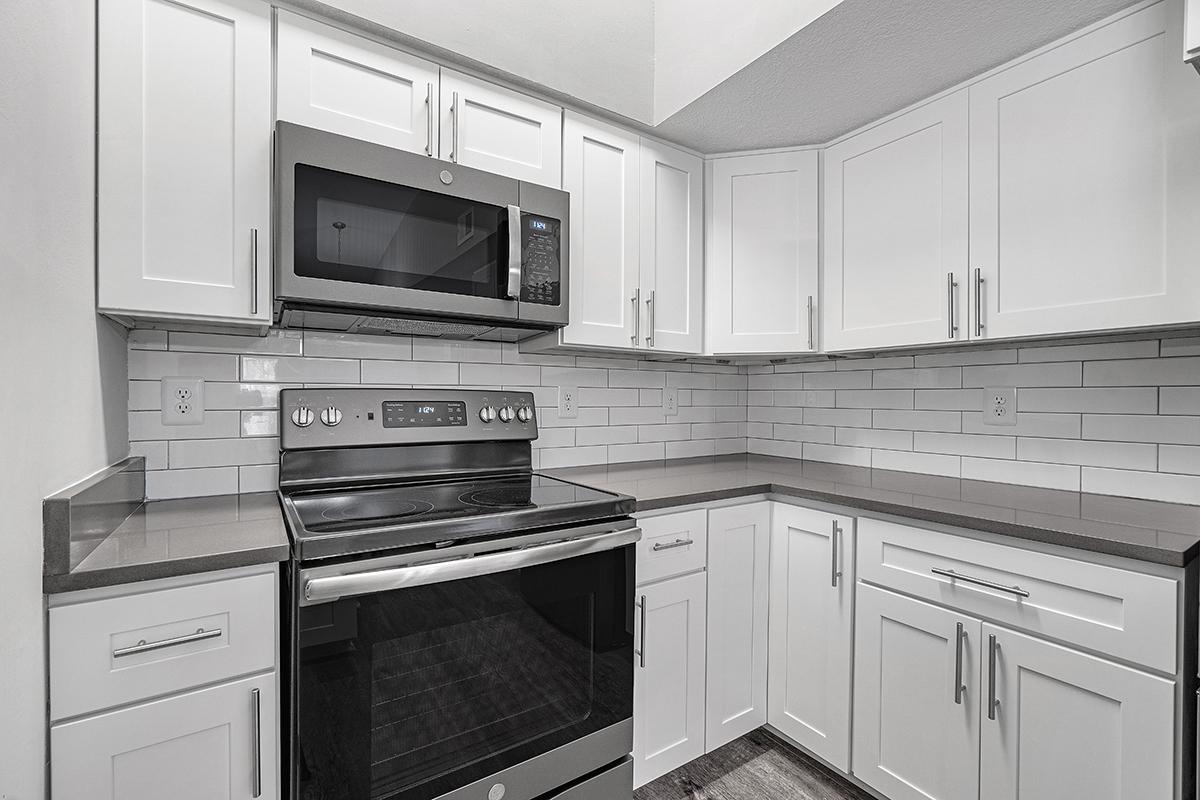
(761,265)
(184,138)
(739,544)
(219,743)
(498,130)
(672,265)
(896,231)
(916,727)
(1191,34)
(812,594)
(1085,186)
(336,81)
(600,169)
(1068,724)
(668,687)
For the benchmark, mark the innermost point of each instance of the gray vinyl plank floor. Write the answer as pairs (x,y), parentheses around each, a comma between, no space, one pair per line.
(758,766)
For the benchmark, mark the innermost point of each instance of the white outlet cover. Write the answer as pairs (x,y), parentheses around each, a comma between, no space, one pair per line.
(182,401)
(1000,405)
(568,402)
(670,404)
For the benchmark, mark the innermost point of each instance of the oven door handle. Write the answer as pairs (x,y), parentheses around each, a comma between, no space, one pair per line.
(514,253)
(334,587)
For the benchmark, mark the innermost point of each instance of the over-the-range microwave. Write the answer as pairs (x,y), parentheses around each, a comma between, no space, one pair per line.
(371,239)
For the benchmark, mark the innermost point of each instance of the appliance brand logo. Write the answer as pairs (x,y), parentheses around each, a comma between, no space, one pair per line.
(446,177)
(496,792)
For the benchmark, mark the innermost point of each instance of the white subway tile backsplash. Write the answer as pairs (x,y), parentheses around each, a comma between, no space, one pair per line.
(469,351)
(260,423)
(948,399)
(1027,473)
(841,417)
(1112,400)
(875,398)
(610,434)
(561,437)
(1053,374)
(258,478)
(1147,485)
(1179,458)
(155,453)
(595,396)
(1054,426)
(966,444)
(1179,400)
(147,426)
(876,439)
(693,449)
(835,454)
(191,453)
(352,345)
(276,342)
(142,339)
(677,432)
(1122,455)
(293,369)
(496,374)
(574,376)
(410,373)
(1142,428)
(560,457)
(1183,346)
(838,380)
(154,365)
(646,451)
(948,421)
(1143,372)
(638,379)
(1147,348)
(804,433)
(924,463)
(963,358)
(875,363)
(926,378)
(168,484)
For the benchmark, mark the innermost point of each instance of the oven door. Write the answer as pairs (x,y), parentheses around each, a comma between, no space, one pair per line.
(444,679)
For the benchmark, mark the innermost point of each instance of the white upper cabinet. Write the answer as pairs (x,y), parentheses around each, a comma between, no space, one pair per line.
(1191,32)
(601,165)
(184,170)
(333,80)
(896,231)
(762,263)
(672,264)
(1085,184)
(495,129)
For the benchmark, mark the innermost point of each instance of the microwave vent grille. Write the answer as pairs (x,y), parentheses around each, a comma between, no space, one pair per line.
(418,327)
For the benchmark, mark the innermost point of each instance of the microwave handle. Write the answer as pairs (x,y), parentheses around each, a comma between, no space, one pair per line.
(514,253)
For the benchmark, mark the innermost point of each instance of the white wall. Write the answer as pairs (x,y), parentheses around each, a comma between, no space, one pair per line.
(63,392)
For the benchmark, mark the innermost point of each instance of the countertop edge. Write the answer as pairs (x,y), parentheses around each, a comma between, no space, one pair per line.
(140,573)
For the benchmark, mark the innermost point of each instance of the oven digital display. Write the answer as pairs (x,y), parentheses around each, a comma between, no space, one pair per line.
(424,414)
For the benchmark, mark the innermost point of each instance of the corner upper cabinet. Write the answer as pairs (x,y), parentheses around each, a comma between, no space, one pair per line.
(601,169)
(1085,184)
(895,231)
(762,263)
(495,129)
(183,167)
(1191,31)
(336,81)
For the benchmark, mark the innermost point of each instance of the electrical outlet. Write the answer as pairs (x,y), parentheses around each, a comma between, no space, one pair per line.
(1000,405)
(182,401)
(670,402)
(568,402)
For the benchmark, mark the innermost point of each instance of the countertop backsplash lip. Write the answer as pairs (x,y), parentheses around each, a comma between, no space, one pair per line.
(78,518)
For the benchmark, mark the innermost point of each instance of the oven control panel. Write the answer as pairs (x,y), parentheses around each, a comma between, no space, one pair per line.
(357,417)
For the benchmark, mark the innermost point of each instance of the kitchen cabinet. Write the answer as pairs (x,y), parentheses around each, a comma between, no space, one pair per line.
(1088,220)
(1191,31)
(216,742)
(761,266)
(336,81)
(895,231)
(668,694)
(739,558)
(183,166)
(1069,724)
(811,639)
(916,684)
(498,130)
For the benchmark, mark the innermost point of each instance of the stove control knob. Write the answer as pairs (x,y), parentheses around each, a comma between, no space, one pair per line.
(487,413)
(331,416)
(525,414)
(303,416)
(507,414)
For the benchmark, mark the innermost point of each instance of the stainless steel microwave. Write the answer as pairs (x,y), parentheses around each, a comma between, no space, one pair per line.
(370,239)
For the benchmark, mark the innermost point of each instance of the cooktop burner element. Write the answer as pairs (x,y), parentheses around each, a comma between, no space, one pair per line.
(497,497)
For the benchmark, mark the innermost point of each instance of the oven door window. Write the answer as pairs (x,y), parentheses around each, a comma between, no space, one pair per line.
(413,693)
(359,230)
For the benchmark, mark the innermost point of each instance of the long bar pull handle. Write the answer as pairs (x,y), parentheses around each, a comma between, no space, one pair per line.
(993,701)
(978,302)
(514,253)
(650,320)
(835,546)
(429,112)
(810,323)
(257,740)
(641,651)
(254,271)
(958,576)
(658,546)
(951,285)
(454,127)
(145,647)
(959,688)
(637,315)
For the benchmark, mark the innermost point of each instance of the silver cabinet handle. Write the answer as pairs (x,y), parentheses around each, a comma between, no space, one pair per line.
(145,647)
(256,738)
(810,323)
(993,701)
(835,554)
(429,119)
(454,127)
(958,576)
(641,651)
(650,320)
(254,271)
(978,302)
(637,315)
(514,253)
(959,687)
(671,545)
(951,285)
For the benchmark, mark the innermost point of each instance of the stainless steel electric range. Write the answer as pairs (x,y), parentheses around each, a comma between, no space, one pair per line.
(459,626)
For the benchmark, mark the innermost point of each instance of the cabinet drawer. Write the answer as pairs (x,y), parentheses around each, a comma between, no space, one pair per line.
(672,544)
(119,650)
(1127,614)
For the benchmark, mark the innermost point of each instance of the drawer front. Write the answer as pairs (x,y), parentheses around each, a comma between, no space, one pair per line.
(1127,614)
(672,544)
(125,649)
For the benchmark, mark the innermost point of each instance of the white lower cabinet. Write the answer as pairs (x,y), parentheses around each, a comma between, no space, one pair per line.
(811,641)
(668,687)
(739,544)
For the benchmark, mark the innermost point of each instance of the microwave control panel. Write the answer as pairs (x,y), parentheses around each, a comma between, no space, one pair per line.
(541,262)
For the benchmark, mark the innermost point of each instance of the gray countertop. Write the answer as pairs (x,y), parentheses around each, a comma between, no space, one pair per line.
(1147,530)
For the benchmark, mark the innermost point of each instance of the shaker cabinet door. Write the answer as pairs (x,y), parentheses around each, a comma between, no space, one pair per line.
(183,168)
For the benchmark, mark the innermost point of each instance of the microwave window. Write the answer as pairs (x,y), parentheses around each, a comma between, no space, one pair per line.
(360,230)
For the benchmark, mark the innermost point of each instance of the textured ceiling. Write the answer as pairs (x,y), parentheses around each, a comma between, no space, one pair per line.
(866,59)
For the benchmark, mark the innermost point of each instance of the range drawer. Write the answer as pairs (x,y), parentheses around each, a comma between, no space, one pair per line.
(672,544)
(120,650)
(1127,614)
